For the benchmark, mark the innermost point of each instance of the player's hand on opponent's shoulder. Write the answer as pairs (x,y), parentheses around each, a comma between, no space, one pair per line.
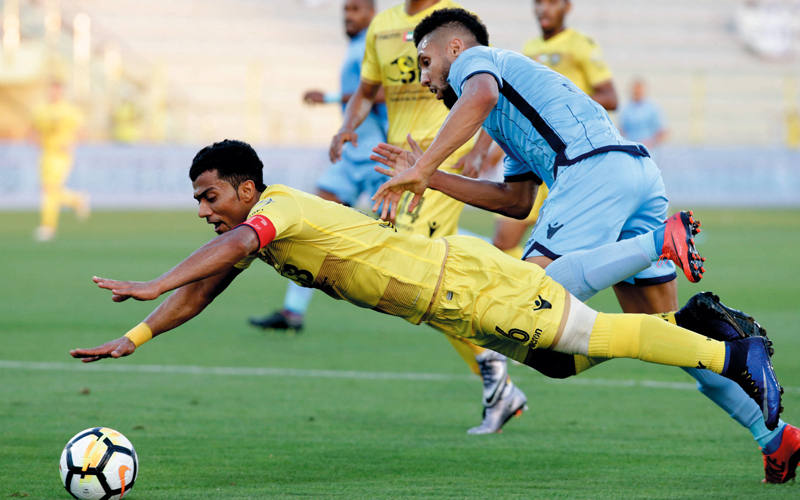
(344,135)
(124,290)
(123,346)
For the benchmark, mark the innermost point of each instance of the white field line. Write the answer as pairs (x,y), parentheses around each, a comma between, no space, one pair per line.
(292,372)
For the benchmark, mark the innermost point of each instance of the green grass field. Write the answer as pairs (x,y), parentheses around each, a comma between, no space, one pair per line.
(624,430)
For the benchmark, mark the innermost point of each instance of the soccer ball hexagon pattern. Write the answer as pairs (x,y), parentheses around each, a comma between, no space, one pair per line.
(99,464)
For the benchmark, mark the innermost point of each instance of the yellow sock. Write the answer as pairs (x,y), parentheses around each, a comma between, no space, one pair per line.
(583,363)
(650,339)
(668,317)
(467,350)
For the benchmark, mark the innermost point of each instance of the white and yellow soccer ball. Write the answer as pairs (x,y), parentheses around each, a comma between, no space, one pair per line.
(99,464)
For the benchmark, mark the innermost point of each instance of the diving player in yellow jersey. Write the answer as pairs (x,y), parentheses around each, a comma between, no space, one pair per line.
(579,58)
(390,62)
(459,285)
(57,125)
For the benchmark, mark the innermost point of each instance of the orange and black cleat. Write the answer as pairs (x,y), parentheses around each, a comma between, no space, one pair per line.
(679,245)
(781,466)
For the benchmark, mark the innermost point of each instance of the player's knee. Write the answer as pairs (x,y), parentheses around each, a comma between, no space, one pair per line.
(551,364)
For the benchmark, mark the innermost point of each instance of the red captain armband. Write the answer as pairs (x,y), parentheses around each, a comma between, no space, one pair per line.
(264,228)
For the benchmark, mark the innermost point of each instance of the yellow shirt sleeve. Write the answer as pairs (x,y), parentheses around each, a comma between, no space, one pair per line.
(593,64)
(370,67)
(283,210)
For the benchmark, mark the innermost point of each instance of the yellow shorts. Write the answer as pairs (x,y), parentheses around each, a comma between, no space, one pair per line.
(496,301)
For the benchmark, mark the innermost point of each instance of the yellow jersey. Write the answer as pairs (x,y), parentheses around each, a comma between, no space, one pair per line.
(390,58)
(58,125)
(348,254)
(574,55)
(460,285)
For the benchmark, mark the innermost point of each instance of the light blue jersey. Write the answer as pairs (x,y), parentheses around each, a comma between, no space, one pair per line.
(355,173)
(542,121)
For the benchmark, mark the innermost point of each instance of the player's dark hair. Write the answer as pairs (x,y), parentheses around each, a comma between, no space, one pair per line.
(234,161)
(452,18)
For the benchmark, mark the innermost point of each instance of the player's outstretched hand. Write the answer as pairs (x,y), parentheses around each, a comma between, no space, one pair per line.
(123,346)
(124,290)
(404,177)
(338,141)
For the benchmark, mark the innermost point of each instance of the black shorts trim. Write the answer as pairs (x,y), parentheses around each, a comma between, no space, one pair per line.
(657,280)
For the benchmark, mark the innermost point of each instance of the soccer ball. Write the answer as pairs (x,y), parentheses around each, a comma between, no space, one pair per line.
(98,464)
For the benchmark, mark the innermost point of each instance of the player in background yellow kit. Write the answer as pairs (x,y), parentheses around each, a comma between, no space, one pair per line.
(576,56)
(458,284)
(390,62)
(56,126)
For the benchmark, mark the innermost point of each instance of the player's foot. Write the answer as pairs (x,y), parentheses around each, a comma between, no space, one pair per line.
(706,315)
(679,245)
(494,373)
(280,320)
(84,208)
(781,466)
(749,366)
(512,403)
(44,233)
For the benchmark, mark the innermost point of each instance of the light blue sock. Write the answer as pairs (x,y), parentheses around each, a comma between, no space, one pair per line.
(649,243)
(765,437)
(586,272)
(658,239)
(730,397)
(297,298)
(467,232)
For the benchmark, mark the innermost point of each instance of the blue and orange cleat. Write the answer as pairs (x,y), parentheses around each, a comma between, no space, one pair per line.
(749,365)
(679,245)
(781,466)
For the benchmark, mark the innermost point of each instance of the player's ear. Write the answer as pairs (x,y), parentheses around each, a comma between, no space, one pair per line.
(247,190)
(456,47)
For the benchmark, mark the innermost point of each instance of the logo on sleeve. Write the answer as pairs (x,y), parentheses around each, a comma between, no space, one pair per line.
(552,230)
(260,206)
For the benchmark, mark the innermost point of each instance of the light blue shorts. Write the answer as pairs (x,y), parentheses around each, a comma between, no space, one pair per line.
(603,199)
(348,180)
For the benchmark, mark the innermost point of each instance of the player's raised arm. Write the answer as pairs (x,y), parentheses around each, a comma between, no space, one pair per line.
(358,107)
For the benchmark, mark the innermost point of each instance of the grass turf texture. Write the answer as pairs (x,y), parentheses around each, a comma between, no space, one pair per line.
(212,436)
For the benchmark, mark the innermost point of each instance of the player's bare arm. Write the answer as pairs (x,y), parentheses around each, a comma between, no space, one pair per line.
(319,97)
(471,164)
(186,303)
(479,97)
(513,199)
(605,95)
(216,256)
(358,107)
